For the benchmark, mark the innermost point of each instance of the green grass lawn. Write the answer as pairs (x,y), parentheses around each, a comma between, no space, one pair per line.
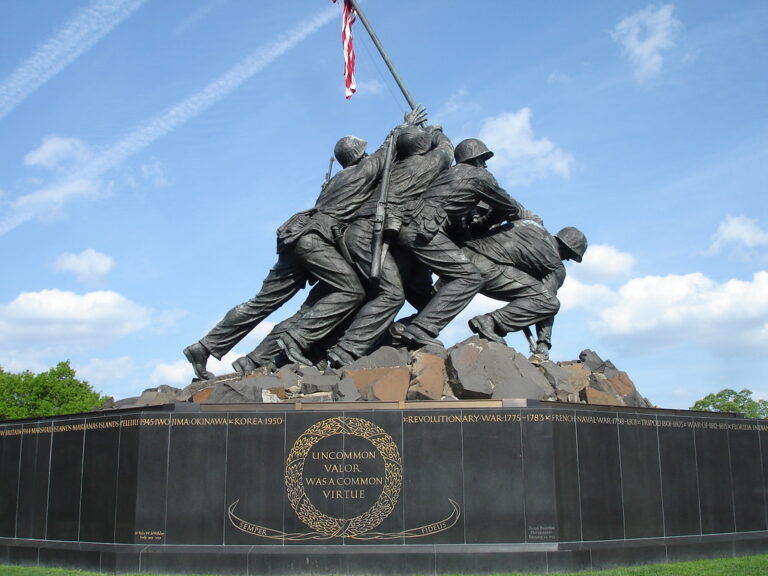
(744,566)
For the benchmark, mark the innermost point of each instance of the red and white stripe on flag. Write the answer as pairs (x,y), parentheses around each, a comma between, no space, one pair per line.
(347,19)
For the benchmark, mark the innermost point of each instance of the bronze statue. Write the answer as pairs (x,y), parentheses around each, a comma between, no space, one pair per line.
(422,154)
(452,195)
(522,264)
(307,250)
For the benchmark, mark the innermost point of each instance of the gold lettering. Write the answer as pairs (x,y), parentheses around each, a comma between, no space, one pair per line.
(345,468)
(344,494)
(433,528)
(365,455)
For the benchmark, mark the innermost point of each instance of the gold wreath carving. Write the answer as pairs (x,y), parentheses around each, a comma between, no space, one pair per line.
(376,514)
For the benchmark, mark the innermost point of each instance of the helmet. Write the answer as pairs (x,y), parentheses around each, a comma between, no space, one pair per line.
(471,148)
(413,140)
(574,240)
(349,150)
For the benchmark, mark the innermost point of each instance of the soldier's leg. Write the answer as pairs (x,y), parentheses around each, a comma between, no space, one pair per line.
(544,338)
(416,278)
(268,352)
(340,290)
(528,300)
(494,283)
(461,279)
(284,280)
(384,301)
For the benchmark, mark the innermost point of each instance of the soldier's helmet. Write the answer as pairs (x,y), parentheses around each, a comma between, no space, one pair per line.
(413,140)
(471,148)
(349,150)
(574,240)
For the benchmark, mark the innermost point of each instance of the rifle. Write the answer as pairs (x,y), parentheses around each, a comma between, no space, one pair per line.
(378,245)
(529,337)
(328,174)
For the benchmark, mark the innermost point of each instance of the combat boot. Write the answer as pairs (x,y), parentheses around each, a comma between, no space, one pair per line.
(198,355)
(485,327)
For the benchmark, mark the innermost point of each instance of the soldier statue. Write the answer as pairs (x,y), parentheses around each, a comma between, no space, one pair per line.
(522,264)
(307,250)
(452,195)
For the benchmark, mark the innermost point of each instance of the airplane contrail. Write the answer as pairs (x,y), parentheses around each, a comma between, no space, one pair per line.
(78,184)
(89,26)
(190,107)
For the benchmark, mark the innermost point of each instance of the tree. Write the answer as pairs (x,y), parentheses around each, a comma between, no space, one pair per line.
(50,393)
(731,401)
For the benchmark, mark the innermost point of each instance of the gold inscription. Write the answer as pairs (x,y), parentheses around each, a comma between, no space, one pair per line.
(500,418)
(349,473)
(648,421)
(251,528)
(436,527)
(343,494)
(343,476)
(541,532)
(461,418)
(363,455)
(136,422)
(344,481)
(149,535)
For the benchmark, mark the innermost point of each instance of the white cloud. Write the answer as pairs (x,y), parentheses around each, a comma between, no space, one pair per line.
(38,329)
(178,374)
(56,151)
(120,377)
(457,102)
(48,202)
(575,295)
(88,266)
(603,263)
(520,158)
(58,318)
(13,360)
(105,374)
(370,87)
(644,36)
(89,26)
(163,123)
(738,230)
(656,311)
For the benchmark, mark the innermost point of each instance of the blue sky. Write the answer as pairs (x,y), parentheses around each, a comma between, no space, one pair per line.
(149,149)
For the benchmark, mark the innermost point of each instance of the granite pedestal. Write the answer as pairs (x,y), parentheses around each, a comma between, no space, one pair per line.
(378,488)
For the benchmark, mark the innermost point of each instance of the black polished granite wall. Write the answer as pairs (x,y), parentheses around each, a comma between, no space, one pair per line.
(263,476)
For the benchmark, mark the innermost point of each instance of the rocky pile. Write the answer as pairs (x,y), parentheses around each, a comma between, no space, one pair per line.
(473,369)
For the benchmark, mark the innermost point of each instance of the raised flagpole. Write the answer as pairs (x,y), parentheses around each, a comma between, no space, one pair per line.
(383,53)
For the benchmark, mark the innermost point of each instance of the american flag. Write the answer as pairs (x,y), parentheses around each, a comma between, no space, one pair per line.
(347,19)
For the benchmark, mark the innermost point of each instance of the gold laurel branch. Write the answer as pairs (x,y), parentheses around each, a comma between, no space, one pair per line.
(426,530)
(327,525)
(256,530)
